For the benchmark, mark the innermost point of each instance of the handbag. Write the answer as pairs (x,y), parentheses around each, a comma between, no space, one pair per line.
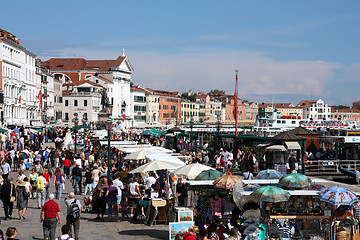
(12,198)
(62,180)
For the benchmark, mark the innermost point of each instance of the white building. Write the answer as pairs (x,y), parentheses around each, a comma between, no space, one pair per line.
(84,99)
(138,106)
(17,81)
(315,110)
(113,75)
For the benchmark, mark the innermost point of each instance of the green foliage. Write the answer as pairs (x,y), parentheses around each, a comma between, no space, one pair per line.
(216,91)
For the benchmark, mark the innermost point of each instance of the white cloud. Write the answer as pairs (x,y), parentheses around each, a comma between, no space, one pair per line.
(258,74)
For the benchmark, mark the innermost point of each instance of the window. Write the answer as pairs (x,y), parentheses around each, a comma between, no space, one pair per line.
(75,103)
(66,116)
(85,103)
(66,103)
(166,115)
(60,99)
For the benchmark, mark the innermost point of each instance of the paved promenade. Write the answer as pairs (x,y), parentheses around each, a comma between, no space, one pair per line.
(90,229)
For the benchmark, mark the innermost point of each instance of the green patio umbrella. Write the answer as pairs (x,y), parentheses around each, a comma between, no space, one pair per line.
(153,132)
(294,181)
(209,175)
(271,194)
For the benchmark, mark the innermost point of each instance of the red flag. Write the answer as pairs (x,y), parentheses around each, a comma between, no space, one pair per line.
(124,117)
(19,99)
(235,113)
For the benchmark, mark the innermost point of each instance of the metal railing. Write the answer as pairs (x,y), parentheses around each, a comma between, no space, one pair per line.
(331,166)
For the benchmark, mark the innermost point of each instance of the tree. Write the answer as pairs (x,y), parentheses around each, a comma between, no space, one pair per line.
(216,91)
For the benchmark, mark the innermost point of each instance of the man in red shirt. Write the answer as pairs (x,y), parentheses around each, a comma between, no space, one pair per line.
(67,167)
(48,216)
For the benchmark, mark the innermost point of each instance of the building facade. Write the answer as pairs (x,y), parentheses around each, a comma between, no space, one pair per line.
(190,111)
(315,109)
(17,80)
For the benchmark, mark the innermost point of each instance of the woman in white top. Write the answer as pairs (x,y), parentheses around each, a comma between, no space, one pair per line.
(135,193)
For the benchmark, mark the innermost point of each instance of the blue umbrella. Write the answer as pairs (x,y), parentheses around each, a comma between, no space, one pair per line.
(337,196)
(23,155)
(269,174)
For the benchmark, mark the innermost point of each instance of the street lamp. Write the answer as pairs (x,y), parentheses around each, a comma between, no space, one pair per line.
(191,124)
(218,126)
(108,125)
(76,122)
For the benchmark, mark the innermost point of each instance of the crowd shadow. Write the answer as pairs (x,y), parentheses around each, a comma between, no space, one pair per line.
(159,234)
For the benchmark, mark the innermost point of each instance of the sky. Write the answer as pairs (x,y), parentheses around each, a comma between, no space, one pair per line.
(285,51)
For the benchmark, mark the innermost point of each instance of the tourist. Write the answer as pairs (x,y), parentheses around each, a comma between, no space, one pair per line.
(58,181)
(73,213)
(135,193)
(124,208)
(181,194)
(50,216)
(150,181)
(76,173)
(21,176)
(120,186)
(88,182)
(192,233)
(65,231)
(33,176)
(111,195)
(96,174)
(47,177)
(41,184)
(7,196)
(100,199)
(11,233)
(234,233)
(38,167)
(5,170)
(66,164)
(22,196)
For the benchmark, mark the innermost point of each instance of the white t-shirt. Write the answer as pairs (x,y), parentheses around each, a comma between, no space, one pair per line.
(119,185)
(132,188)
(27,185)
(78,162)
(149,182)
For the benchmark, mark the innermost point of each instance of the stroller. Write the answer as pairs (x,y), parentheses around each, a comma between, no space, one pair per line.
(88,205)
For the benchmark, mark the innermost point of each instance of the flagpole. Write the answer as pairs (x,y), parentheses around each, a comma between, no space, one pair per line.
(236,104)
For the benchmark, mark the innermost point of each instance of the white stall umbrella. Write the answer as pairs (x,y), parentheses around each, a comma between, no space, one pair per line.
(156,165)
(164,157)
(140,155)
(191,170)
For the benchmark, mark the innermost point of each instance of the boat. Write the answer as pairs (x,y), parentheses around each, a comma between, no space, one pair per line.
(267,121)
(347,172)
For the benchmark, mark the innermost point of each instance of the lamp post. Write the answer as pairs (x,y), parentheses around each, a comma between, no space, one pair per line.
(191,124)
(218,126)
(76,122)
(108,126)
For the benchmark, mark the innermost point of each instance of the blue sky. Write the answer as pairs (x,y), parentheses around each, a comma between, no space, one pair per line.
(289,50)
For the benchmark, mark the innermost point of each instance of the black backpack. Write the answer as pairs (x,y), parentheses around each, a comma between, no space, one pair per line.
(74,210)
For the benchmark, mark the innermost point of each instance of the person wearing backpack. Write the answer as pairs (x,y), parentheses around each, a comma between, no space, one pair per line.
(73,213)
(41,184)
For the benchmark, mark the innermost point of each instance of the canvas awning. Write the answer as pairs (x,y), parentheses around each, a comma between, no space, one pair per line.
(293,145)
(275,148)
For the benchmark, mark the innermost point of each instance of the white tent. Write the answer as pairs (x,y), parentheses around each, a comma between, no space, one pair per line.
(140,154)
(155,166)
(191,170)
(164,157)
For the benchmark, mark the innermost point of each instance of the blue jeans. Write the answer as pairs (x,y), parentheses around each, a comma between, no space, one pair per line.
(58,190)
(112,203)
(77,181)
(47,191)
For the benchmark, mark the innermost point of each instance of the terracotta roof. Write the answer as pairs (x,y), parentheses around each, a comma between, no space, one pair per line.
(66,92)
(82,64)
(140,89)
(104,65)
(344,110)
(277,105)
(306,103)
(103,78)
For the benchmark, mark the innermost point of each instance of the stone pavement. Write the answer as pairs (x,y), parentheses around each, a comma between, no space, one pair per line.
(90,229)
